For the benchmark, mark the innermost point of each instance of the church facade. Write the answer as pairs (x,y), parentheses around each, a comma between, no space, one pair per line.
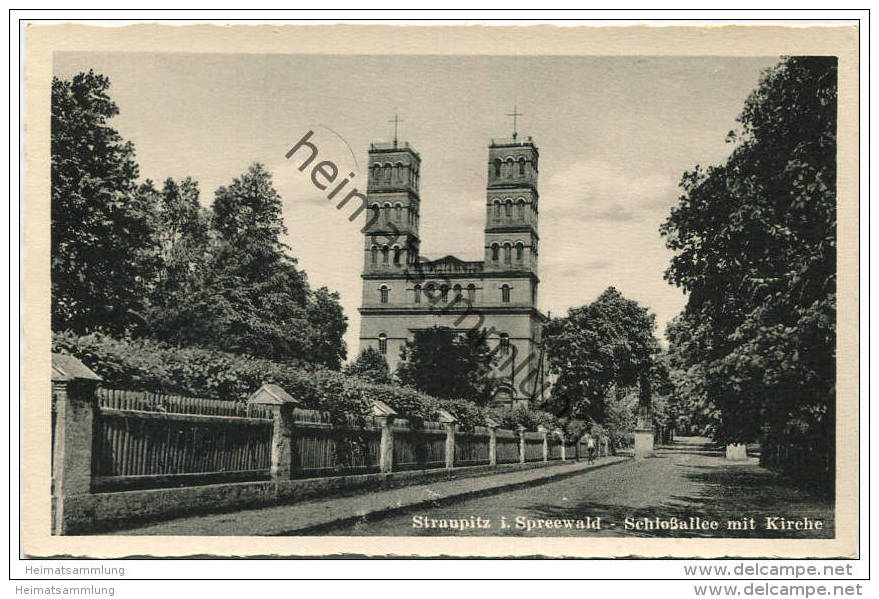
(404,292)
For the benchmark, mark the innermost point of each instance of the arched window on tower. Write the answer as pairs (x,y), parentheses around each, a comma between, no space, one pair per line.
(376,172)
(376,214)
(397,255)
(457,295)
(383,294)
(430,292)
(444,293)
(494,252)
(508,208)
(504,344)
(507,254)
(520,207)
(418,294)
(385,252)
(398,213)
(471,293)
(521,166)
(497,209)
(387,171)
(510,171)
(386,212)
(382,344)
(497,167)
(505,293)
(374,254)
(520,251)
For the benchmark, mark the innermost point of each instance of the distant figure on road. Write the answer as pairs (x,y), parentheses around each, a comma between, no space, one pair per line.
(590,447)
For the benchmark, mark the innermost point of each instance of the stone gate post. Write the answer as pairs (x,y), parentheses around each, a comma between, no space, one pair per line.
(492,441)
(542,429)
(76,405)
(561,435)
(451,425)
(281,405)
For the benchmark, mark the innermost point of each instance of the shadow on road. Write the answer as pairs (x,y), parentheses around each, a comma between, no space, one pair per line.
(713,490)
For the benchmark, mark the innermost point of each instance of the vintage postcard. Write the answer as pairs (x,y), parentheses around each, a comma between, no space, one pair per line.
(572,290)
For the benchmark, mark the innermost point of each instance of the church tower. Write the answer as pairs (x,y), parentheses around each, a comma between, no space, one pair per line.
(511,214)
(391,232)
(404,292)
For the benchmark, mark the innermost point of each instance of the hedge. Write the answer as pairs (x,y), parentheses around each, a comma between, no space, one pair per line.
(144,364)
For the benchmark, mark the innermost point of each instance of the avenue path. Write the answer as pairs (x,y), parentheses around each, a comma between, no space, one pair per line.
(686,479)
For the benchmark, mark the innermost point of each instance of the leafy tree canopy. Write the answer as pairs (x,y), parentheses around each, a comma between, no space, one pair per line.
(103,239)
(446,364)
(371,366)
(133,259)
(755,247)
(605,344)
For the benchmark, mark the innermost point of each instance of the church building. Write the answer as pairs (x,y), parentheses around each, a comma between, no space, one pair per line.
(404,292)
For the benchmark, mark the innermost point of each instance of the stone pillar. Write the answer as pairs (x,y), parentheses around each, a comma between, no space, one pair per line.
(492,445)
(281,405)
(76,405)
(644,434)
(521,444)
(643,442)
(282,442)
(386,445)
(562,439)
(736,452)
(545,443)
(451,428)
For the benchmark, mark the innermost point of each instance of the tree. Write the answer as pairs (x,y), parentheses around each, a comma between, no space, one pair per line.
(370,366)
(603,345)
(249,297)
(442,363)
(103,257)
(183,239)
(328,323)
(755,248)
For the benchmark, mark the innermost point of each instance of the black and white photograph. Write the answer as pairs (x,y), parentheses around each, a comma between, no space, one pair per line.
(504,297)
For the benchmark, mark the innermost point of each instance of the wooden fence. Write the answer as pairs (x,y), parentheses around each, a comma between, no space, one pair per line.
(146,401)
(472,448)
(533,447)
(507,446)
(148,440)
(419,448)
(134,448)
(554,447)
(107,440)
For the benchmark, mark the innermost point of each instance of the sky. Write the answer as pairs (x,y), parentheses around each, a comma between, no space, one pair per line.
(615,134)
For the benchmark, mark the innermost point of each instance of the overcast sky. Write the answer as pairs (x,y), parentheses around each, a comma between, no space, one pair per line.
(615,135)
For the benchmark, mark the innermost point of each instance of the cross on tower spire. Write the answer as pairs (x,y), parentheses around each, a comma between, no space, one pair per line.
(515,114)
(396,120)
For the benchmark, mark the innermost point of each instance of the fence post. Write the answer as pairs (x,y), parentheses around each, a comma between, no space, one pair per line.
(281,405)
(542,429)
(492,441)
(73,392)
(521,444)
(450,423)
(385,417)
(451,427)
(386,445)
(561,435)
